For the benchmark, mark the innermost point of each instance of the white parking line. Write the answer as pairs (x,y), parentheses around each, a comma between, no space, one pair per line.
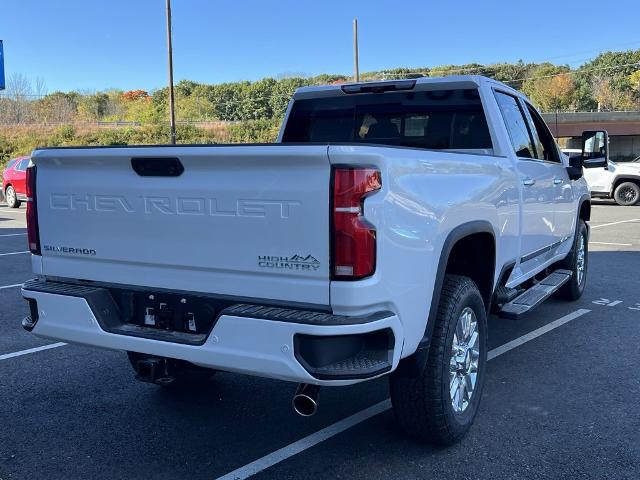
(307,442)
(12,234)
(6,356)
(609,243)
(615,223)
(13,253)
(10,286)
(312,440)
(535,333)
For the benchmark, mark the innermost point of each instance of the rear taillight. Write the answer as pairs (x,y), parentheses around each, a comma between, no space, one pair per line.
(354,239)
(32,212)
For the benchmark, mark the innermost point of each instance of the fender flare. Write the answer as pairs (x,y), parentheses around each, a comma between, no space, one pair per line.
(585,198)
(414,363)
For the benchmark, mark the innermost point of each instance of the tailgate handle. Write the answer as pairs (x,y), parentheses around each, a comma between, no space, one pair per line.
(157,166)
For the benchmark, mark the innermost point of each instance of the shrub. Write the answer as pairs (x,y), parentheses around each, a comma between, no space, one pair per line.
(254,131)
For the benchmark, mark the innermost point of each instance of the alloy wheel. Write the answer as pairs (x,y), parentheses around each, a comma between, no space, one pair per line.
(580,260)
(11,196)
(628,195)
(463,365)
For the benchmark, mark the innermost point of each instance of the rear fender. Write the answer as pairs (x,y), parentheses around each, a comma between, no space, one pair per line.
(414,363)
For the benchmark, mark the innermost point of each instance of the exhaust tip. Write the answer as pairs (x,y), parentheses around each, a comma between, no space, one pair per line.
(305,400)
(305,405)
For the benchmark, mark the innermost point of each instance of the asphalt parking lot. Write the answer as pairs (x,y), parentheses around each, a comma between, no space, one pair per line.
(561,398)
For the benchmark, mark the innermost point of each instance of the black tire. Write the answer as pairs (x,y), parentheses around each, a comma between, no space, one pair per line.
(627,194)
(421,400)
(11,197)
(573,289)
(186,376)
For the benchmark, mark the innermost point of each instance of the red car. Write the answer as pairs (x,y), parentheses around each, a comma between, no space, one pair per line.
(14,181)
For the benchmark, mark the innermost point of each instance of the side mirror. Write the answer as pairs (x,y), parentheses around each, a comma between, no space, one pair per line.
(595,149)
(574,170)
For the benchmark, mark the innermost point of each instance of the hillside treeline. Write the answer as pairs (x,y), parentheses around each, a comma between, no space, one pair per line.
(251,111)
(611,81)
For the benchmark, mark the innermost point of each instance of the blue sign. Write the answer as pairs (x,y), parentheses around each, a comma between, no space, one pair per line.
(1,67)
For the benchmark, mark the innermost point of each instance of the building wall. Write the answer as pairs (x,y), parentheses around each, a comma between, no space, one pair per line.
(622,148)
(623,128)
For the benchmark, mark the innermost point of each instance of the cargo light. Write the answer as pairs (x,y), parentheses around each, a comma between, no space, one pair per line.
(354,239)
(33,233)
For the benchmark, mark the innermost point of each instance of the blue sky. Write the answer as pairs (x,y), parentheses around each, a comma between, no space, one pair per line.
(95,45)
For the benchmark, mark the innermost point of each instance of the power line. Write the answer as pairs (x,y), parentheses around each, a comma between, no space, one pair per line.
(575,72)
(590,52)
(496,65)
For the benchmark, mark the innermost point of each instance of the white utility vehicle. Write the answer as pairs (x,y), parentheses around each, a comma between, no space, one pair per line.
(619,181)
(372,240)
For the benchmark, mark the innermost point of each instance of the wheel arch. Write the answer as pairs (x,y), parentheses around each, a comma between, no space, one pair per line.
(3,191)
(622,179)
(584,208)
(458,242)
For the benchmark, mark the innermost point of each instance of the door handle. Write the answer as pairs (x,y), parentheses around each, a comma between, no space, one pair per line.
(557,181)
(527,182)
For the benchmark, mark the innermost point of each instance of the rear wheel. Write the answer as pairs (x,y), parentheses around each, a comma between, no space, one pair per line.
(627,193)
(176,374)
(438,403)
(577,261)
(12,198)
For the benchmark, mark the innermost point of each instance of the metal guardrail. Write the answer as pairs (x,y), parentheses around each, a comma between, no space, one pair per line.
(119,123)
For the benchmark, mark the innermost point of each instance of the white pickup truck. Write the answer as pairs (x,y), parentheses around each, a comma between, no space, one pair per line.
(373,239)
(619,181)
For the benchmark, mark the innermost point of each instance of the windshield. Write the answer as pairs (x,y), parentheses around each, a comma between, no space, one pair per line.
(441,119)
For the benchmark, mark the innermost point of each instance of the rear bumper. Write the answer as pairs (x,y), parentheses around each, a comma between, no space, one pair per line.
(293,345)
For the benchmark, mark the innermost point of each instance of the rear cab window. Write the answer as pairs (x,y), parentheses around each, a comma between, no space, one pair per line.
(546,148)
(529,135)
(516,124)
(428,119)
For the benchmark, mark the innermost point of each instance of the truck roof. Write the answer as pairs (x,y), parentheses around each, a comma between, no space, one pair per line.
(421,83)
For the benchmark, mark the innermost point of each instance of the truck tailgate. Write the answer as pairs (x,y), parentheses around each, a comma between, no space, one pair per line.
(247,221)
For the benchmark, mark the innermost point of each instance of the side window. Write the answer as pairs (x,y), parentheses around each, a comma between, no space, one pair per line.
(516,125)
(22,166)
(545,144)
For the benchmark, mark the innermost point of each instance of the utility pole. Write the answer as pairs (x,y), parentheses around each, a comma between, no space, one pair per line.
(1,67)
(356,66)
(172,106)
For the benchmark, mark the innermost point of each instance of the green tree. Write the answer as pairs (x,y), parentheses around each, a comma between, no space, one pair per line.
(256,100)
(93,107)
(225,100)
(607,96)
(185,87)
(616,67)
(634,84)
(327,79)
(282,92)
(550,87)
(513,74)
